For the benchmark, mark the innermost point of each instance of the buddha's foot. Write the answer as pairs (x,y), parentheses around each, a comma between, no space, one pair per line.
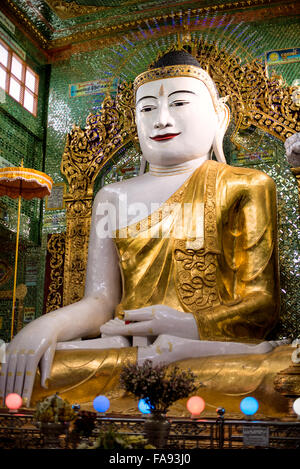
(168,349)
(94,344)
(278,343)
(269,345)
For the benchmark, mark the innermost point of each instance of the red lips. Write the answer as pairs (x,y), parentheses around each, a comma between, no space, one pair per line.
(159,138)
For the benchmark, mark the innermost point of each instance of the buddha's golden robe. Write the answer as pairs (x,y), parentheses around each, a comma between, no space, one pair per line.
(210,250)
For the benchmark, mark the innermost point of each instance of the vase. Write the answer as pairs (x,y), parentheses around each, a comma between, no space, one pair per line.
(157,428)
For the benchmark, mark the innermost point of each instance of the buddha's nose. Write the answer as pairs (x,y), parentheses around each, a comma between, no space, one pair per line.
(164,118)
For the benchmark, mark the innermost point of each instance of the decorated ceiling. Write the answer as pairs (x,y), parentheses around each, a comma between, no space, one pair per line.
(61,24)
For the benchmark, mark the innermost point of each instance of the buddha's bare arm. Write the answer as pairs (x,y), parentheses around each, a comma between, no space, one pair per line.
(161,319)
(176,333)
(36,343)
(153,321)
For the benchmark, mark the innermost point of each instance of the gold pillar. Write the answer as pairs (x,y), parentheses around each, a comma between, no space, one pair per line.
(56,250)
(76,247)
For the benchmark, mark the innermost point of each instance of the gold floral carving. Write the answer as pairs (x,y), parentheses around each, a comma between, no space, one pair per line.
(56,249)
(66,10)
(25,22)
(254,99)
(196,278)
(110,34)
(86,153)
(286,383)
(196,270)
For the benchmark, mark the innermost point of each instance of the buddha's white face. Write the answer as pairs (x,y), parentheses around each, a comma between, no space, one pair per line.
(176,120)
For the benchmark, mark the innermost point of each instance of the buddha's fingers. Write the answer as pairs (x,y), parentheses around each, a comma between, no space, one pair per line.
(113,329)
(3,375)
(46,364)
(20,371)
(143,328)
(118,320)
(143,314)
(11,373)
(31,365)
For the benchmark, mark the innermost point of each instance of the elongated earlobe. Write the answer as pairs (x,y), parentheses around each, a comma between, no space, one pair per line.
(224,119)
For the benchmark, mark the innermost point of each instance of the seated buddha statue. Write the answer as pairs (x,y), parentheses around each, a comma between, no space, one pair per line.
(182,266)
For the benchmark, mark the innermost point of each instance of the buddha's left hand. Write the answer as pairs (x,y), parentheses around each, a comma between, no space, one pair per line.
(153,321)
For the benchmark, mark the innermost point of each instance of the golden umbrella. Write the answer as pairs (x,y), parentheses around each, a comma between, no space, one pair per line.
(27,183)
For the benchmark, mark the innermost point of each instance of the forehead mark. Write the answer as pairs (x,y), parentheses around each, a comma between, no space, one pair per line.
(161,90)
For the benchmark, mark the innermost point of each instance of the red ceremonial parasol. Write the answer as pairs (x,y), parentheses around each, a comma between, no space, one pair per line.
(27,183)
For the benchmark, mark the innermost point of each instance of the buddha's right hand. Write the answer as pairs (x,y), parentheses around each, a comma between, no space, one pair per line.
(33,345)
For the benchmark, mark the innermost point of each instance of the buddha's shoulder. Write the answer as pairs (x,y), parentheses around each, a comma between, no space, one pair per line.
(249,175)
(113,191)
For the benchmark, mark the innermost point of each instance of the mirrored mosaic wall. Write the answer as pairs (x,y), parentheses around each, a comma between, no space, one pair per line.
(22,137)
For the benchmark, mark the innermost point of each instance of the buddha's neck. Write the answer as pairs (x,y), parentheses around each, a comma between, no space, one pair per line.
(174,170)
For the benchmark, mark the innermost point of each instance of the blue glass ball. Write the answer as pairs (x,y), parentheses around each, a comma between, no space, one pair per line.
(249,405)
(144,407)
(101,403)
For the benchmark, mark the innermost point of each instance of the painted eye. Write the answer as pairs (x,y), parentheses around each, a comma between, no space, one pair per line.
(178,103)
(147,108)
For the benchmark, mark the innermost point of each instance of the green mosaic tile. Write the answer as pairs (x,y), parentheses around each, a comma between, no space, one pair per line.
(288,220)
(22,137)
(29,258)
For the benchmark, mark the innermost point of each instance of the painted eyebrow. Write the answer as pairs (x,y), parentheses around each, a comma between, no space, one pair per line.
(174,92)
(145,97)
(181,91)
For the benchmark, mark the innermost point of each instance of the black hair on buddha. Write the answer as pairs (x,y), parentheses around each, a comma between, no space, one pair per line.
(176,57)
